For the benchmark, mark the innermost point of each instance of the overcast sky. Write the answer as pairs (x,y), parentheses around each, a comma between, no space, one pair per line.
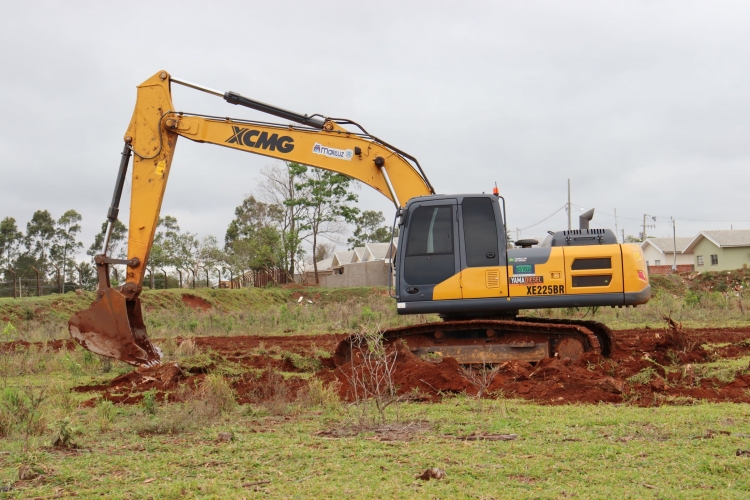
(644,105)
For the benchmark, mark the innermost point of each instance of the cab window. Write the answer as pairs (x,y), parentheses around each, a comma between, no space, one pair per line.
(430,255)
(480,232)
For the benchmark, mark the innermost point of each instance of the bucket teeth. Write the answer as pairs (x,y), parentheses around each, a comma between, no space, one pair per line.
(113,327)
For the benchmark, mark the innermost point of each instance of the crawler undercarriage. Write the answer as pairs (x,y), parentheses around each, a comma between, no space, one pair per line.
(493,341)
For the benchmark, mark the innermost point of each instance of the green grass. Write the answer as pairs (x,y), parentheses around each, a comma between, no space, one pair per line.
(725,370)
(590,451)
(277,311)
(232,312)
(171,451)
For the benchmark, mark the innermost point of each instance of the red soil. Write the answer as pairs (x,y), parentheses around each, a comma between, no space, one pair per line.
(591,379)
(195,302)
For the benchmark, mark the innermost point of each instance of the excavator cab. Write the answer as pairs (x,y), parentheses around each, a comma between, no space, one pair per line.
(451,248)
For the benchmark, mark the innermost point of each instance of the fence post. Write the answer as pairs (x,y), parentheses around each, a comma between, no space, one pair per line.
(80,276)
(15,294)
(59,288)
(231,279)
(38,285)
(179,271)
(165,278)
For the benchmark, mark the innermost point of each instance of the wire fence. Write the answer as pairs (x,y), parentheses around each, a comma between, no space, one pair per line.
(30,287)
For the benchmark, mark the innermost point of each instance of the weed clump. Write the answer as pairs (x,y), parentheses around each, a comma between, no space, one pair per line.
(105,411)
(302,363)
(215,396)
(20,409)
(643,377)
(212,399)
(319,394)
(148,403)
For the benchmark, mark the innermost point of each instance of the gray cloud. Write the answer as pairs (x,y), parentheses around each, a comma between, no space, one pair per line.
(643,105)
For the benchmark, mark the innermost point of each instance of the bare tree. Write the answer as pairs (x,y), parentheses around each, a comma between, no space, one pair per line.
(325,250)
(371,374)
(280,186)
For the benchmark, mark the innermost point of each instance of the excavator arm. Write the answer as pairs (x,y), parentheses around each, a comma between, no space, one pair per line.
(113,326)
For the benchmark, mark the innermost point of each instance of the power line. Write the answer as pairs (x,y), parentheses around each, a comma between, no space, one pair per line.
(548,217)
(665,218)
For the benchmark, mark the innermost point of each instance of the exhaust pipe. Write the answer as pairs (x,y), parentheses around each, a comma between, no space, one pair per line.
(585,218)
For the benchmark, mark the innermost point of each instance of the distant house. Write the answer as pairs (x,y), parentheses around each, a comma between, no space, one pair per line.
(660,254)
(342,257)
(358,254)
(363,266)
(720,250)
(380,251)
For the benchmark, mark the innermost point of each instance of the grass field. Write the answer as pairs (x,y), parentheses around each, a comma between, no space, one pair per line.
(314,445)
(711,299)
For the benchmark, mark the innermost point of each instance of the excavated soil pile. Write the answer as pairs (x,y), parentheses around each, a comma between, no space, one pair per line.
(129,388)
(647,367)
(252,365)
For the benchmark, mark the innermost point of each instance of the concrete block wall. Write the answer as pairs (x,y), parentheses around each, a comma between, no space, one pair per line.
(373,273)
(684,268)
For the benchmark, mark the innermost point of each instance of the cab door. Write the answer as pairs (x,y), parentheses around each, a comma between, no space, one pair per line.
(483,270)
(431,255)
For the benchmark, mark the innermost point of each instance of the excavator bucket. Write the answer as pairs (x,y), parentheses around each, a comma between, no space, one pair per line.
(113,327)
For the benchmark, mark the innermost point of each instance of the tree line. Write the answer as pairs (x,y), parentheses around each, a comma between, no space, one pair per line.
(295,204)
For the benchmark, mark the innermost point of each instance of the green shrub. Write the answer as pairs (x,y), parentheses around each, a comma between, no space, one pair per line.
(105,410)
(149,402)
(692,299)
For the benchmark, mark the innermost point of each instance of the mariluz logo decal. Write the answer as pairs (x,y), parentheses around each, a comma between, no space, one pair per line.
(261,140)
(341,154)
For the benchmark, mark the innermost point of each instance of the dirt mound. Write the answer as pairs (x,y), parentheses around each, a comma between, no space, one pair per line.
(270,385)
(129,388)
(410,372)
(262,358)
(194,302)
(646,368)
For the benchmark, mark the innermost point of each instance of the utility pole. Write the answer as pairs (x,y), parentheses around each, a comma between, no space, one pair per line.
(623,235)
(569,224)
(674,243)
(616,231)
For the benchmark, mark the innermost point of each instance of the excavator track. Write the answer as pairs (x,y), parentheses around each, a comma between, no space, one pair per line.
(493,341)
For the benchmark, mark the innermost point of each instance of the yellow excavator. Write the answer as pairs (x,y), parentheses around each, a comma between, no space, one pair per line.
(452,260)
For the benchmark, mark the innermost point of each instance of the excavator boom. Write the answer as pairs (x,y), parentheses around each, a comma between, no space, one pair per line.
(113,326)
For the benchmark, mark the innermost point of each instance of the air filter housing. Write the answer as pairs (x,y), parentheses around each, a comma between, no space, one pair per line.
(582,237)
